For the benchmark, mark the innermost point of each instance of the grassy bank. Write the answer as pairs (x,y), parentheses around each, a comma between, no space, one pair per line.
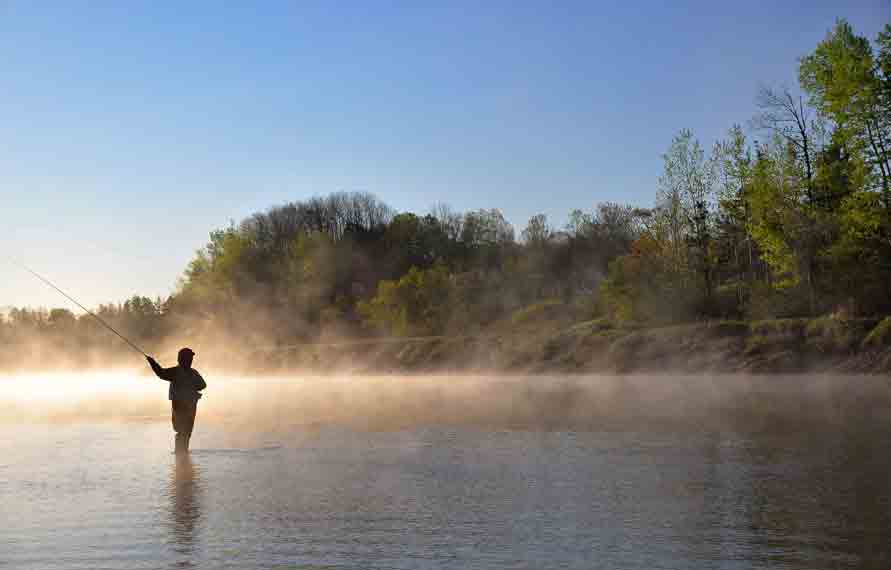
(546,343)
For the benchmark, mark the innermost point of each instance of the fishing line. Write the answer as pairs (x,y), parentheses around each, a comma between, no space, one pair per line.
(73,300)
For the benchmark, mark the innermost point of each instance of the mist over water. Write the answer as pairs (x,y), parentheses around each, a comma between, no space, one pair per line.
(447,471)
(281,403)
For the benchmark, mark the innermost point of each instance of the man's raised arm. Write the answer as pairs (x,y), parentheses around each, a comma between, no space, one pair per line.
(162,373)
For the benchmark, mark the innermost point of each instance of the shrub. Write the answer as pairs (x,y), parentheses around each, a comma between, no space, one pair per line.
(828,333)
(549,309)
(880,335)
(766,302)
(785,328)
(592,327)
(729,328)
(757,344)
(729,299)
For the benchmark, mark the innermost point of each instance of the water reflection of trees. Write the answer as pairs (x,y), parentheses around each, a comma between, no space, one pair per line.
(821,499)
(807,499)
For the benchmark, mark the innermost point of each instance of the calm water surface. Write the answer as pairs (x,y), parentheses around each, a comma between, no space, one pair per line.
(109,494)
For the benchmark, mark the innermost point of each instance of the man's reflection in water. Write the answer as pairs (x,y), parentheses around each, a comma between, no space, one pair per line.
(185,506)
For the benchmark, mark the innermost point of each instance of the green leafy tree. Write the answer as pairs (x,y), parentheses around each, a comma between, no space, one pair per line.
(416,304)
(736,251)
(688,191)
(638,285)
(848,85)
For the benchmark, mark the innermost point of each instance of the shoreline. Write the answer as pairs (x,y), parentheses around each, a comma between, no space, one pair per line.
(788,346)
(771,347)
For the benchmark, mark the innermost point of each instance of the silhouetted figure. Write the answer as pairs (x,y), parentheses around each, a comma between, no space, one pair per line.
(185,390)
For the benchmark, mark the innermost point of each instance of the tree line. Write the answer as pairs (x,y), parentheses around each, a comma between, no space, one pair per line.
(788,217)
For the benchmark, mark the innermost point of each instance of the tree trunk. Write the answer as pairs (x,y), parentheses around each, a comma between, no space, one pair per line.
(878,147)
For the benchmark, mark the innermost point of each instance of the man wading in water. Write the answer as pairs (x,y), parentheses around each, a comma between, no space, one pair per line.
(185,390)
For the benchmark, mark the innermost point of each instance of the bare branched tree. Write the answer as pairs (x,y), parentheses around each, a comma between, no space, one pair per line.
(786,115)
(449,221)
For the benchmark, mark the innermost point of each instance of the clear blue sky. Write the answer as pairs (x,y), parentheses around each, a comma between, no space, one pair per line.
(129,130)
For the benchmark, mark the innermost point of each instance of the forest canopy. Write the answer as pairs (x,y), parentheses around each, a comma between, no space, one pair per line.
(788,216)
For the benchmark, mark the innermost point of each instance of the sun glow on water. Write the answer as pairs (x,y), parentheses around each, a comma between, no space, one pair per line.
(71,387)
(97,395)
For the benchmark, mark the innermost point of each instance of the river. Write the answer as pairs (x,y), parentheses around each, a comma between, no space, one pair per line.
(402,473)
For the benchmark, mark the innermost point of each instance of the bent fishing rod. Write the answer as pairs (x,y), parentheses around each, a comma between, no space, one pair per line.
(73,300)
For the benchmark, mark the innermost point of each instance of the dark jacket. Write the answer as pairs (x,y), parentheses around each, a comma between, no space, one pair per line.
(185,383)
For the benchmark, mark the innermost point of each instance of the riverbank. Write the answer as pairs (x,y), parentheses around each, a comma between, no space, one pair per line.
(783,346)
(543,342)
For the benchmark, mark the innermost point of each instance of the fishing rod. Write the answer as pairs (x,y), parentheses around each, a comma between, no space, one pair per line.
(73,300)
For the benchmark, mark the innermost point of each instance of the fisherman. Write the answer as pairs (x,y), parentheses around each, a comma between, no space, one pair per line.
(185,391)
